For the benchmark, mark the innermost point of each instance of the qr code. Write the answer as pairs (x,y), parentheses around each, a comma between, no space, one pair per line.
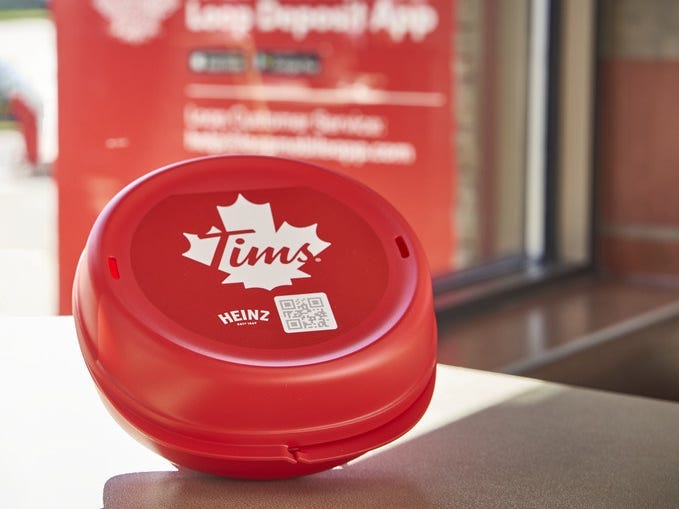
(307,312)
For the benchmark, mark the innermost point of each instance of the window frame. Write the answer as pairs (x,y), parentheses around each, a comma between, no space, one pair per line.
(559,184)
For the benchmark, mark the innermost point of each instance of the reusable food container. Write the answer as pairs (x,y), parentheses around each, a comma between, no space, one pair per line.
(256,317)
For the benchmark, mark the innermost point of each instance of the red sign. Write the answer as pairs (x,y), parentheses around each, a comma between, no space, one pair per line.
(360,86)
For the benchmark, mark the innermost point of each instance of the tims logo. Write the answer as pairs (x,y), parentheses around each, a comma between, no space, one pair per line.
(250,249)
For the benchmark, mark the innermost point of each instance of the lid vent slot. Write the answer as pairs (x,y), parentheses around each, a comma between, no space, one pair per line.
(113,267)
(402,247)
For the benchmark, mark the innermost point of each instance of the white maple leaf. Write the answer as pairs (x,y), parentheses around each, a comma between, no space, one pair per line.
(256,253)
(135,21)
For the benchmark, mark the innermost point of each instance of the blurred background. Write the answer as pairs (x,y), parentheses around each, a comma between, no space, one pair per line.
(470,168)
(28,148)
(476,194)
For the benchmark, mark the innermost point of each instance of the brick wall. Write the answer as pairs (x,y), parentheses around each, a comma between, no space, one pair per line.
(638,139)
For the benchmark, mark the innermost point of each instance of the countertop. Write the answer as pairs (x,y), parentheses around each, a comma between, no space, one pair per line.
(487,440)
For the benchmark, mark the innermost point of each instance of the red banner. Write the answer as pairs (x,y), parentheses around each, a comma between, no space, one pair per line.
(363,87)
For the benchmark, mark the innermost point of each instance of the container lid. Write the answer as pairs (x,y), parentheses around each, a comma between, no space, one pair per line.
(261,262)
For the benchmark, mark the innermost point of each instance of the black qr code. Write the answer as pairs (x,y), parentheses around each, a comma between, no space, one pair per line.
(307,312)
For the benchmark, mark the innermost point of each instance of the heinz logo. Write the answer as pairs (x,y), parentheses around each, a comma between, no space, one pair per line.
(250,250)
(244,316)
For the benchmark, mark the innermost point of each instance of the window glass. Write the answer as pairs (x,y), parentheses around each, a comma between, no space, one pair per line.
(491,80)
(433,116)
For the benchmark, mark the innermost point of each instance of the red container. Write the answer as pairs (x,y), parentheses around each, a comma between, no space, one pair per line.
(256,317)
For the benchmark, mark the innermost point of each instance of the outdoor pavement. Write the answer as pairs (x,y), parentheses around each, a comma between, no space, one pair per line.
(28,234)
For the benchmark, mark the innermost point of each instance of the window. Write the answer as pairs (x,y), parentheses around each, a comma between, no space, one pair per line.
(525,86)
(516,202)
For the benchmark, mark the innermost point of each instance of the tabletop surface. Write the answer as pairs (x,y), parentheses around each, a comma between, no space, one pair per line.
(487,440)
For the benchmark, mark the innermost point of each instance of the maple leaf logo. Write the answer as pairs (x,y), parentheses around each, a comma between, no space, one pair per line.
(135,21)
(253,251)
